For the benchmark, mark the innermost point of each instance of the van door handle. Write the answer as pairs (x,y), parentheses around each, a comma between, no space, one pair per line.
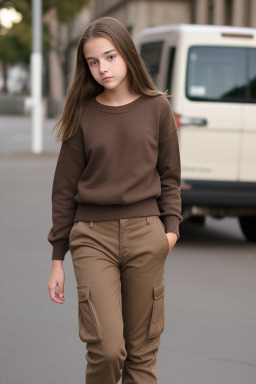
(192,121)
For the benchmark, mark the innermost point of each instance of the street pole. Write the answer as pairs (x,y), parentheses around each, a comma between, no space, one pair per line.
(36,77)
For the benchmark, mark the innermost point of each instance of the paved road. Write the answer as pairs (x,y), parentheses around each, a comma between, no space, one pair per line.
(16,135)
(210,332)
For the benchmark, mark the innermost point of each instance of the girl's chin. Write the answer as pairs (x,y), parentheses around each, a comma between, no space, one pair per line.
(110,87)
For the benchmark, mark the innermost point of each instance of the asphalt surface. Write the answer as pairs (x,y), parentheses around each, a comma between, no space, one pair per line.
(210,331)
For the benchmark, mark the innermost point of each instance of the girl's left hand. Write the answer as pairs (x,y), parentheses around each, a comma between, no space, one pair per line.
(172,238)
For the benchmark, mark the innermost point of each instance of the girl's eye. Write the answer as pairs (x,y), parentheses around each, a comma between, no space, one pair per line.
(93,63)
(111,57)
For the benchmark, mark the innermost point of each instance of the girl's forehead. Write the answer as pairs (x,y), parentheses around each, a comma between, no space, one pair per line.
(97,46)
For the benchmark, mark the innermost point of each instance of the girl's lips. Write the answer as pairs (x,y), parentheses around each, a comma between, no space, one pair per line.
(107,78)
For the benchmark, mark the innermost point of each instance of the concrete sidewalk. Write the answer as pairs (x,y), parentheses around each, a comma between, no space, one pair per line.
(38,338)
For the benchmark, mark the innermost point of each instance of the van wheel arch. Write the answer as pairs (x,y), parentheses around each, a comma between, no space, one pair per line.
(248,226)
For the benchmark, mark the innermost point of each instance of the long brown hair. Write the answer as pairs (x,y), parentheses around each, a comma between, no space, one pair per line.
(84,86)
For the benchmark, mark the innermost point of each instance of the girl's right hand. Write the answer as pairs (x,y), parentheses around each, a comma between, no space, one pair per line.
(57,279)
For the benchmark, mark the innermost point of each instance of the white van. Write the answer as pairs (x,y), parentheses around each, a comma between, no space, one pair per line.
(211,73)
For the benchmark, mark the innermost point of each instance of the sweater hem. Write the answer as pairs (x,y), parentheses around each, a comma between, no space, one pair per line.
(96,212)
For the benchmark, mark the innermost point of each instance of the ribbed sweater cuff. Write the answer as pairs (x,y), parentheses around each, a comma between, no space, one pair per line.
(59,250)
(171,224)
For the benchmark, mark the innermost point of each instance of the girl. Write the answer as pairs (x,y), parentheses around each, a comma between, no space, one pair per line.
(116,205)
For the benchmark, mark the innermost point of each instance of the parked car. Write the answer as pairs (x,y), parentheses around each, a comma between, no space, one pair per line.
(211,73)
(17,79)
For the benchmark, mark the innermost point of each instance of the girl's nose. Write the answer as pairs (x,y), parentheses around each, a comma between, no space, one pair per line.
(103,67)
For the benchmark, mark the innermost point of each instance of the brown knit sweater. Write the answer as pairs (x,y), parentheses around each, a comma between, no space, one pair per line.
(122,162)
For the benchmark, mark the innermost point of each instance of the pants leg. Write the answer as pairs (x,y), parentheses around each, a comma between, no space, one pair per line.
(142,281)
(111,258)
(95,257)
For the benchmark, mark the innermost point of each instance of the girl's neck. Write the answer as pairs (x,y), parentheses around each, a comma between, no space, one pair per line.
(116,99)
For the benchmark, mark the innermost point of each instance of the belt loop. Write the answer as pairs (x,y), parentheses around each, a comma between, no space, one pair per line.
(91,224)
(148,221)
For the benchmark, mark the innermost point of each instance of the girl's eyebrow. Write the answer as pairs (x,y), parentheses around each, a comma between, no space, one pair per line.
(105,53)
(111,50)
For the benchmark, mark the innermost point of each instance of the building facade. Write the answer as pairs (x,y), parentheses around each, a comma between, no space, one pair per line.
(139,14)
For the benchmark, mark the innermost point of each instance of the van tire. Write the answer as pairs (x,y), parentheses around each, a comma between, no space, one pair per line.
(199,220)
(248,226)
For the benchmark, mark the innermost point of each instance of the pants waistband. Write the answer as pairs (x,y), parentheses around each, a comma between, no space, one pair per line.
(147,218)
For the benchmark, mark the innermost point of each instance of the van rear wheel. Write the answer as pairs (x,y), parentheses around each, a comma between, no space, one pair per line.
(248,226)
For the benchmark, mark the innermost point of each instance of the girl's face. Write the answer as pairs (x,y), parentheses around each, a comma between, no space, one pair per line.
(106,64)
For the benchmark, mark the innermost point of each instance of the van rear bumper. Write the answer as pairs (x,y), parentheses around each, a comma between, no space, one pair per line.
(218,193)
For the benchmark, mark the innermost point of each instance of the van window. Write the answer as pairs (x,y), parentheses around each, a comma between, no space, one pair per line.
(253,73)
(221,74)
(151,55)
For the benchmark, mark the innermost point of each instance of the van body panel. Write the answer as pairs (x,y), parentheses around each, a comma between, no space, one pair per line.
(211,151)
(247,170)
(179,81)
(248,158)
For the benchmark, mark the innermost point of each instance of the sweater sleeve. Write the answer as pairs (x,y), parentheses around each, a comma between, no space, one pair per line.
(70,166)
(168,166)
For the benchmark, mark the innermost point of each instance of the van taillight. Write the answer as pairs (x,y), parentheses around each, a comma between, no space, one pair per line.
(177,120)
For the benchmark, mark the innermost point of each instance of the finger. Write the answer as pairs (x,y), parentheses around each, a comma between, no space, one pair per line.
(58,299)
(55,296)
(52,293)
(61,291)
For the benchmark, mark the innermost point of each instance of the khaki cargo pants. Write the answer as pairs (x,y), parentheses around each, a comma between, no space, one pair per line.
(119,269)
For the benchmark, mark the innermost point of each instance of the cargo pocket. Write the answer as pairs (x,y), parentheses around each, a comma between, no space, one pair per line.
(87,320)
(157,318)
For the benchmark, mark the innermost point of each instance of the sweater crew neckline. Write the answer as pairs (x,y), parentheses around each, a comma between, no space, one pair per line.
(118,109)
